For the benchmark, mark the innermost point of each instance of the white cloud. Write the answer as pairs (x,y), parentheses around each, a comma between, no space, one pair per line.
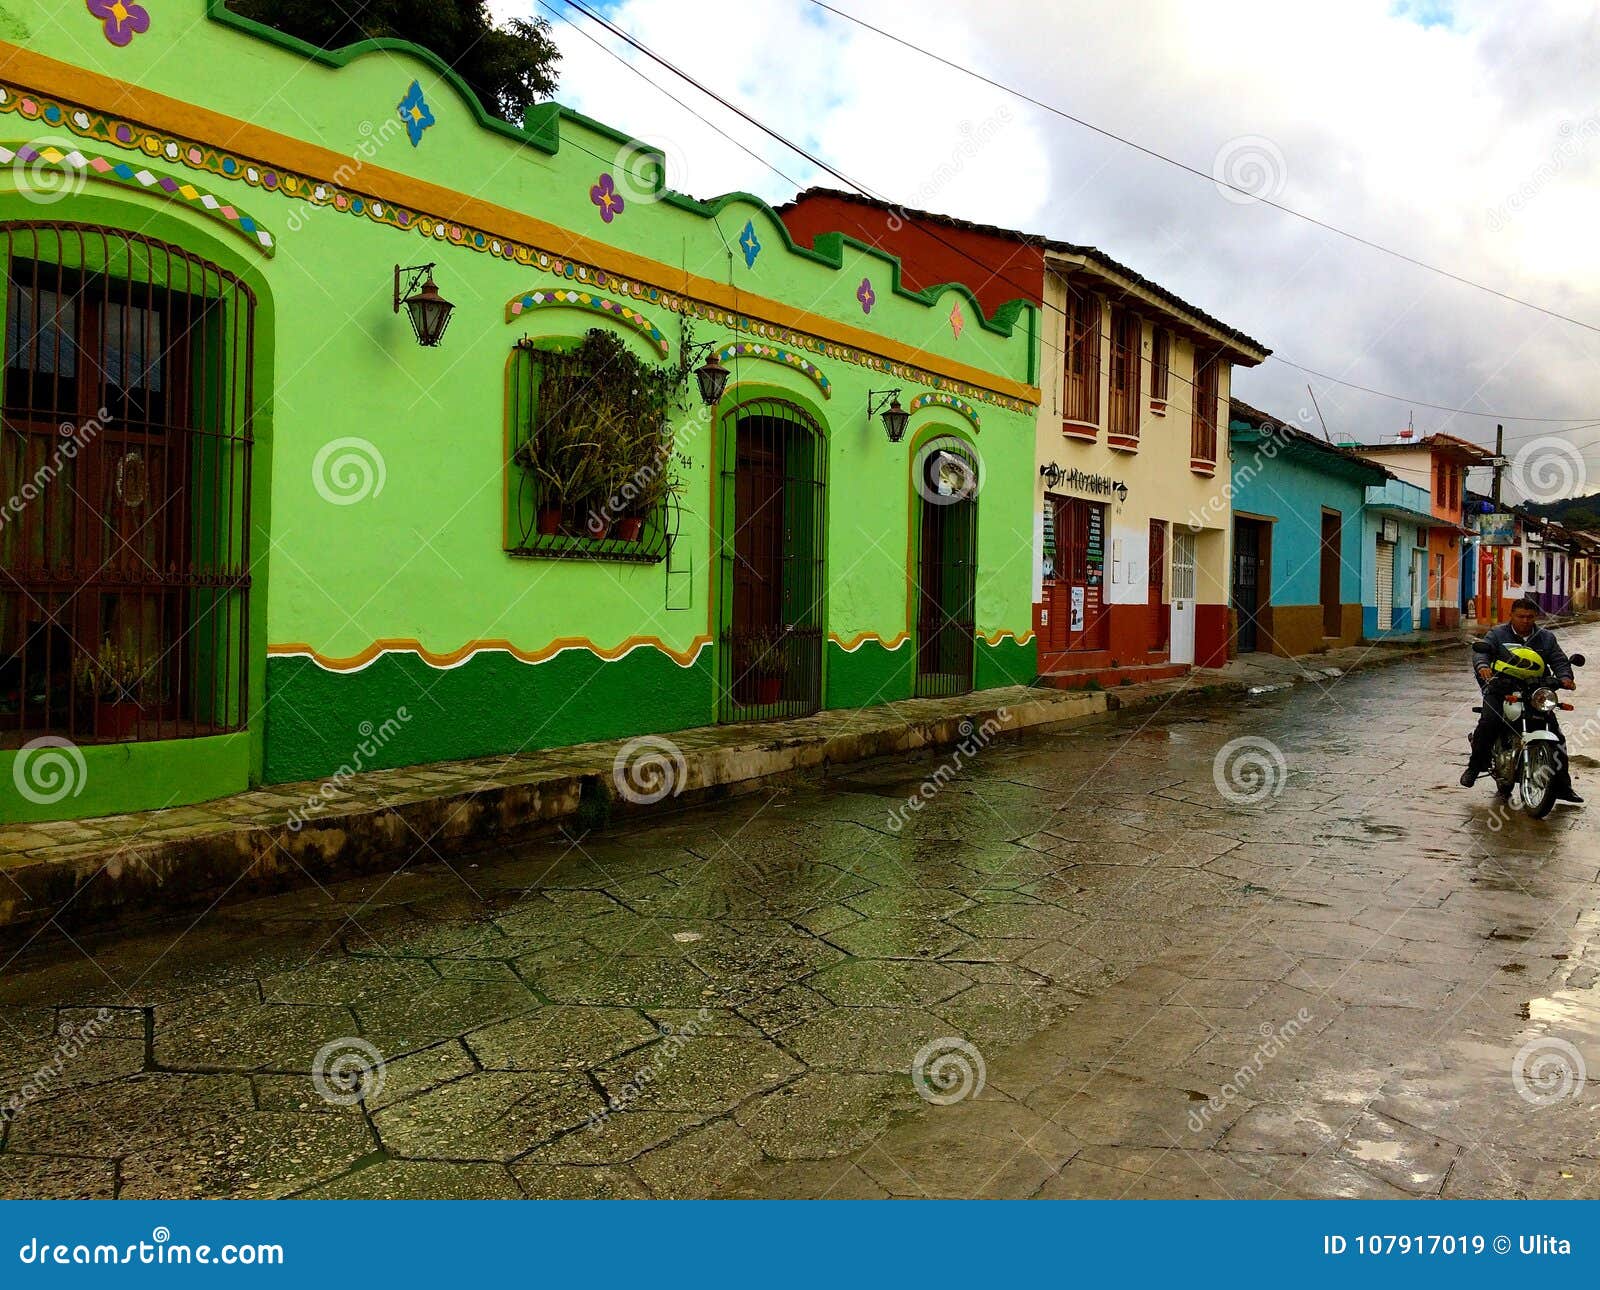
(1466,135)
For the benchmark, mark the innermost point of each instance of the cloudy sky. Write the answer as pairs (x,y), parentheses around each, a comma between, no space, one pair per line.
(1463,134)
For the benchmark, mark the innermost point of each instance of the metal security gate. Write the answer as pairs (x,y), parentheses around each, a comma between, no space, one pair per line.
(947,561)
(772,556)
(125,448)
(1385,570)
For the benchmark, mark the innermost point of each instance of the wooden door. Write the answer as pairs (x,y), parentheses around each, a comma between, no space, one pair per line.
(1332,533)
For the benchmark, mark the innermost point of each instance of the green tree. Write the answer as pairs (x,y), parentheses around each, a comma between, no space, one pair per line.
(507,67)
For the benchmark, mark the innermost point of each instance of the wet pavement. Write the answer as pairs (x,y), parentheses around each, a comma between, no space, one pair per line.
(1245,949)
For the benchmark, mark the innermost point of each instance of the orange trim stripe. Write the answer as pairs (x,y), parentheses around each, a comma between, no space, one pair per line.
(860,638)
(148,107)
(456,657)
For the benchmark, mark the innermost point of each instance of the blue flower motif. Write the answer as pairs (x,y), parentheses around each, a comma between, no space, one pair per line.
(750,244)
(415,113)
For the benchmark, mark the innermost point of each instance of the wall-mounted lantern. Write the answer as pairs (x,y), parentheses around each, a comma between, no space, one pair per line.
(895,418)
(1052,474)
(712,377)
(428,310)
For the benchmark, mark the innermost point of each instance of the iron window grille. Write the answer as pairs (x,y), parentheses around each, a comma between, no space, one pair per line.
(125,464)
(604,525)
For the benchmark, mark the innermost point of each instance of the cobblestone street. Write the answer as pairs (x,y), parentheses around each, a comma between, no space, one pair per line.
(1138,959)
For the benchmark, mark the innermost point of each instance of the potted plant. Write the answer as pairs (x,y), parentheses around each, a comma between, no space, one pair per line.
(119,678)
(768,663)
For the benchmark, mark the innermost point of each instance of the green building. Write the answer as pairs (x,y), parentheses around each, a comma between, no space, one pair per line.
(252,531)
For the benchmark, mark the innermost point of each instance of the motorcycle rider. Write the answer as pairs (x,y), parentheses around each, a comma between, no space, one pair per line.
(1523,630)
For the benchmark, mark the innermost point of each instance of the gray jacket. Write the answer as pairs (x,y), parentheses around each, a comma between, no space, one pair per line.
(1541,639)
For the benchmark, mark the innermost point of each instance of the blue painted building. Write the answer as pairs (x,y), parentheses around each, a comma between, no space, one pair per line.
(1300,534)
(1394,568)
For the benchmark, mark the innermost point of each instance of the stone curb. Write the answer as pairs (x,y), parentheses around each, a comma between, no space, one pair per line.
(186,866)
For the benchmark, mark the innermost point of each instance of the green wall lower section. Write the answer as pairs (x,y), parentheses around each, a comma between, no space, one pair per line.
(492,703)
(114,778)
(318,721)
(868,674)
(1007,663)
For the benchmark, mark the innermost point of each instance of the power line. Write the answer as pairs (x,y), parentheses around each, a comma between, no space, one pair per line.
(921,226)
(1181,165)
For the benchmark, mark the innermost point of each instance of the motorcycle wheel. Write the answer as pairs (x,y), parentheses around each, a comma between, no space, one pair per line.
(1539,779)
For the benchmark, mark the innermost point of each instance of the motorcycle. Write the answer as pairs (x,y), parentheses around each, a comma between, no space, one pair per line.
(1528,756)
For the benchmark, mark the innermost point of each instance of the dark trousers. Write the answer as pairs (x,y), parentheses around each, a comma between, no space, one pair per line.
(1490,726)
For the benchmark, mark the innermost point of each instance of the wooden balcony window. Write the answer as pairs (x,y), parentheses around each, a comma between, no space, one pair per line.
(1080,385)
(1127,344)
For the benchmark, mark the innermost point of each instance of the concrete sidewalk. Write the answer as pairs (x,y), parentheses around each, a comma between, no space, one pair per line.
(85,871)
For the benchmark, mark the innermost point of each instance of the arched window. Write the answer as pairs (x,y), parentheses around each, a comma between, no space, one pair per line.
(126,455)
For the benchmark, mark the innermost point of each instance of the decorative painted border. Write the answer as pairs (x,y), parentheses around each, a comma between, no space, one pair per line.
(994,638)
(560,297)
(772,354)
(457,657)
(75,165)
(855,642)
(196,156)
(938,398)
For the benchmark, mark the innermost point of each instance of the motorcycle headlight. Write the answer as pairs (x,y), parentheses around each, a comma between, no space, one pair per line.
(1544,701)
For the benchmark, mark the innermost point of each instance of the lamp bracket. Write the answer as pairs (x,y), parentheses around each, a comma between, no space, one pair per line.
(413,275)
(877,400)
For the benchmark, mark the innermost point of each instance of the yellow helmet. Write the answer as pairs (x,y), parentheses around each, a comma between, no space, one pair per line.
(1521,662)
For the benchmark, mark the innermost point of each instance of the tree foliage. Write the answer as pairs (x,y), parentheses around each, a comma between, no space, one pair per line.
(507,67)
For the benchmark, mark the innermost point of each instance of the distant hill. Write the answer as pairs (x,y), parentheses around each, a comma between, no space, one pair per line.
(1574,512)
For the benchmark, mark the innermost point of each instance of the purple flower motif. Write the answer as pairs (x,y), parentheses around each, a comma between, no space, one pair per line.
(866,295)
(123,21)
(605,195)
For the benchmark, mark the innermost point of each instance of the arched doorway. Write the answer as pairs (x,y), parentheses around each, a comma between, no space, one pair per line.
(125,567)
(946,481)
(772,557)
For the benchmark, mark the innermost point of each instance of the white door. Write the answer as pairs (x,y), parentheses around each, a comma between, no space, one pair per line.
(1419,587)
(1182,598)
(1385,586)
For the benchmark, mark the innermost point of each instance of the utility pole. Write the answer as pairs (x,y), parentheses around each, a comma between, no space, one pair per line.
(1500,556)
